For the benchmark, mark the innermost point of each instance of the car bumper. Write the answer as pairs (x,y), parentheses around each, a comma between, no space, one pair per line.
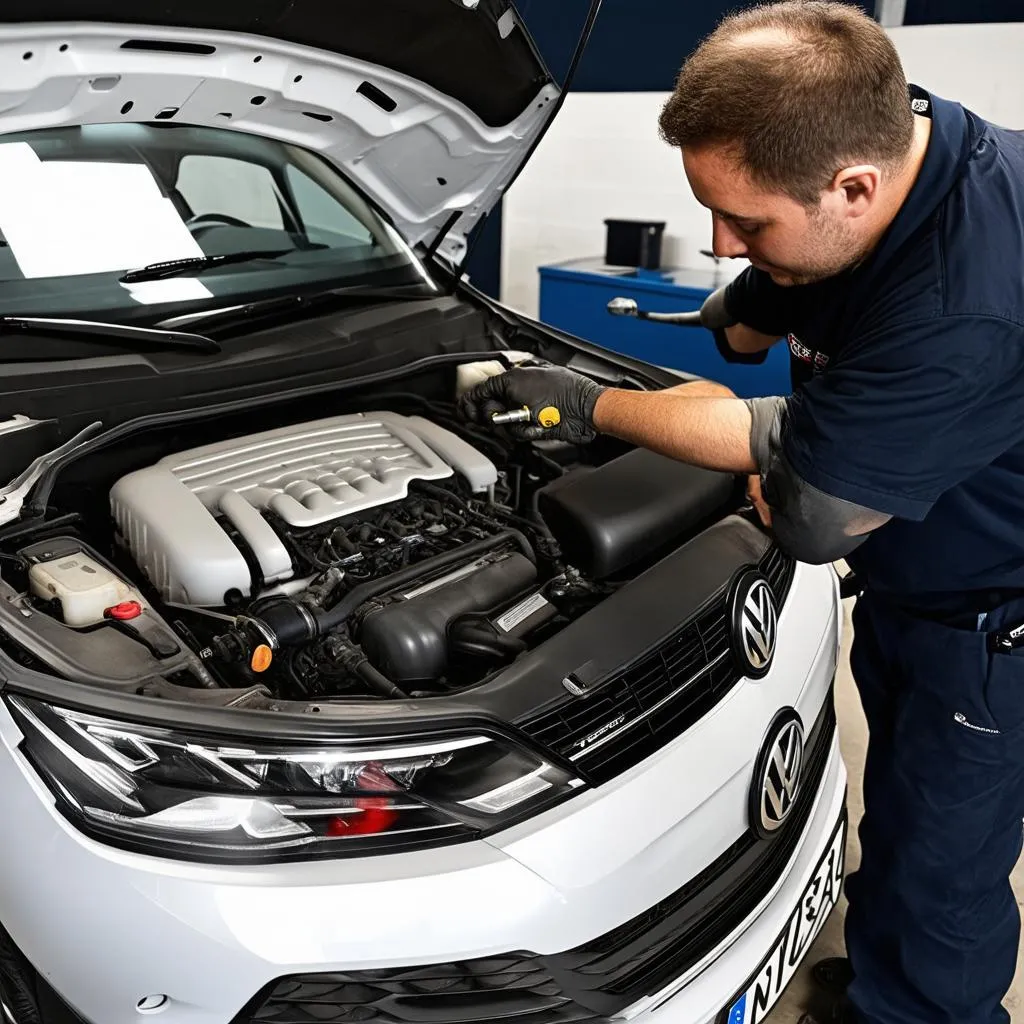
(108,928)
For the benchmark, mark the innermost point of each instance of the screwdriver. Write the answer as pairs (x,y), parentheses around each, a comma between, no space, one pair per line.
(548,417)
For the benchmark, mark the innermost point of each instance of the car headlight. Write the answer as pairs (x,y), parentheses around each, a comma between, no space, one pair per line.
(163,792)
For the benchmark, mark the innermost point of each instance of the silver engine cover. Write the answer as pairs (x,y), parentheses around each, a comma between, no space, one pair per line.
(168,514)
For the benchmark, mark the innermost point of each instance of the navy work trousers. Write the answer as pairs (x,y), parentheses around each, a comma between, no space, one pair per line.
(933,927)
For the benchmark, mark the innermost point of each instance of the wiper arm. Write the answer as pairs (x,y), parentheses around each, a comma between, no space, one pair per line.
(197,264)
(246,311)
(112,333)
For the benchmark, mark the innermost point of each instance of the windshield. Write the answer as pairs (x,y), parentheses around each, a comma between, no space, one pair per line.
(79,206)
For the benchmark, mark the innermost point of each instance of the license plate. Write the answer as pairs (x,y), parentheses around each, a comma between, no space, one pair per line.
(819,898)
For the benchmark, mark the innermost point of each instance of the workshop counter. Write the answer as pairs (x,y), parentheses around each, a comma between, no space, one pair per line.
(574,296)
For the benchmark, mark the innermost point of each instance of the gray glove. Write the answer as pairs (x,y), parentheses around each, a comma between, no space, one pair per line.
(714,314)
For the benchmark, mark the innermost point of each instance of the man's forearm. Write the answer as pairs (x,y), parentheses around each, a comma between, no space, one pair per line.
(700,423)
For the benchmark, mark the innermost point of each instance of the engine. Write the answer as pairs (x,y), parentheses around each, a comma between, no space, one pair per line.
(360,551)
(368,554)
(226,521)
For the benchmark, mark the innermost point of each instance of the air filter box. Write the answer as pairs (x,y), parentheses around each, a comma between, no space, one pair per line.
(610,518)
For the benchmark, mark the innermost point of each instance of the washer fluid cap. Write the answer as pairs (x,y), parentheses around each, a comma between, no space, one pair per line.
(124,611)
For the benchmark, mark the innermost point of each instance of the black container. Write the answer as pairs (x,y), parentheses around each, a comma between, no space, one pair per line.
(634,243)
(609,518)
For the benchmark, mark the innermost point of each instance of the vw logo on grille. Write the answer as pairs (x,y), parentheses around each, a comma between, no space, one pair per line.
(777,774)
(755,620)
(577,689)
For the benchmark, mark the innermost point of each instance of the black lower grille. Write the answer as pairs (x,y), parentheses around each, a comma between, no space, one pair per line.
(593,981)
(497,988)
(656,699)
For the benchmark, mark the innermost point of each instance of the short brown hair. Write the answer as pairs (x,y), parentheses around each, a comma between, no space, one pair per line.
(826,92)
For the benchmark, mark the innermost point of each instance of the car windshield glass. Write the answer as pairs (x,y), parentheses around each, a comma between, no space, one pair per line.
(81,206)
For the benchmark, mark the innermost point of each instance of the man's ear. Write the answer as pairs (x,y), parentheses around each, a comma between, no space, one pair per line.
(858,187)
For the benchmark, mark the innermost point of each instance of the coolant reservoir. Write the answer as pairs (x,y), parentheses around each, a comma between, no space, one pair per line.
(84,587)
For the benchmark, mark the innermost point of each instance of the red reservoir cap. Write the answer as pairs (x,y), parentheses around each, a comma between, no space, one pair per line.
(124,611)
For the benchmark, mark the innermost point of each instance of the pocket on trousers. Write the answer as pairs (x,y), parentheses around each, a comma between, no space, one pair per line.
(951,671)
(1004,692)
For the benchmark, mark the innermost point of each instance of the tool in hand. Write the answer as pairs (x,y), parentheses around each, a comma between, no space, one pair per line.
(504,419)
(628,307)
(548,417)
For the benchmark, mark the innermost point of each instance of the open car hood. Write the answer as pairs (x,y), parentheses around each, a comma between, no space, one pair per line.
(431,107)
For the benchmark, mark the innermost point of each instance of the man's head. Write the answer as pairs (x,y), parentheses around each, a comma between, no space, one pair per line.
(796,132)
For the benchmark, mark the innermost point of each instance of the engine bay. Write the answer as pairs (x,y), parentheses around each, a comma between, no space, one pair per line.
(386,552)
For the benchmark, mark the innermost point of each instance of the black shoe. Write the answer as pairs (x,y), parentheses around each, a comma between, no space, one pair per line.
(833,975)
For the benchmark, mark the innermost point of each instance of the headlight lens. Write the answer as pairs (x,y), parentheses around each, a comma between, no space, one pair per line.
(193,797)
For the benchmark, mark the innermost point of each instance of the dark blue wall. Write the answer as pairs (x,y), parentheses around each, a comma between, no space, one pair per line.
(637,45)
(937,12)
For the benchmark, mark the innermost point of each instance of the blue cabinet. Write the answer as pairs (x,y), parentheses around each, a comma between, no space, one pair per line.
(573,297)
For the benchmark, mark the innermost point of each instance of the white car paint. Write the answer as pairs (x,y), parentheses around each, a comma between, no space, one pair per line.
(209,937)
(78,74)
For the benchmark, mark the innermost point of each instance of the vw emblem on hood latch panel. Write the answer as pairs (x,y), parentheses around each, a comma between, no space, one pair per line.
(753,624)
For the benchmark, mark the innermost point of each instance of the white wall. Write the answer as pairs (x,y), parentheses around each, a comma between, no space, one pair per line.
(980,66)
(603,157)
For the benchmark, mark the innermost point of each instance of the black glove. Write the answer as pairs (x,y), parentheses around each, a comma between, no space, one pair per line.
(561,403)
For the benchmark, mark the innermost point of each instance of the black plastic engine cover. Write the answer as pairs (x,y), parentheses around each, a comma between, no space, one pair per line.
(607,519)
(408,639)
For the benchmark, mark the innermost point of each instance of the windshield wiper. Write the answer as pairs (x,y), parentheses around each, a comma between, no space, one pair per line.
(284,304)
(197,264)
(112,333)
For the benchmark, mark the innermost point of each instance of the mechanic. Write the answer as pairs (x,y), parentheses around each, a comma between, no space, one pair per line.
(883,228)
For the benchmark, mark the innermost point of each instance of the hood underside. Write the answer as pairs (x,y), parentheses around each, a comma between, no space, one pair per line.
(429,106)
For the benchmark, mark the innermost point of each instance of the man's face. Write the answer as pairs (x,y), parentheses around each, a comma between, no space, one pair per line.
(793,244)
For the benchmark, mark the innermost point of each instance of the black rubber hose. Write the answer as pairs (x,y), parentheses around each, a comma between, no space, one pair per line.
(333,617)
(477,640)
(378,681)
(469,647)
(477,628)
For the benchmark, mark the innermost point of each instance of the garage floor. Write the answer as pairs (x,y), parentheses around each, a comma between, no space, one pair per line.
(853,737)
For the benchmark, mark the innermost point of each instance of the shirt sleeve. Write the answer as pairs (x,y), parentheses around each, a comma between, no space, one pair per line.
(755,300)
(909,412)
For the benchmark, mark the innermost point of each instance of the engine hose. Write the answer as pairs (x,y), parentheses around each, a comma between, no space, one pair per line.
(287,623)
(473,640)
(378,680)
(479,650)
(477,629)
(342,611)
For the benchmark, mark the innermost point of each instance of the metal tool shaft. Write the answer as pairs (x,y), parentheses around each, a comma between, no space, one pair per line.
(502,419)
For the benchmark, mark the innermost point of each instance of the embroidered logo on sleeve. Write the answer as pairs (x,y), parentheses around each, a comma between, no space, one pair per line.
(806,355)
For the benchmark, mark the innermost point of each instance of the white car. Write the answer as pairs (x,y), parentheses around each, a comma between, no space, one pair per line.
(317,704)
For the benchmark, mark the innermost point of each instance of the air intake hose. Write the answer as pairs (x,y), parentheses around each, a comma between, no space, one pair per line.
(288,623)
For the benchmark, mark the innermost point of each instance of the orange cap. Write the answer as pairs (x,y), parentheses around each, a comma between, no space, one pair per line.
(261,658)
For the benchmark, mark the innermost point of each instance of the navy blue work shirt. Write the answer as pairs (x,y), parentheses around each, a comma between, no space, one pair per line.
(911,400)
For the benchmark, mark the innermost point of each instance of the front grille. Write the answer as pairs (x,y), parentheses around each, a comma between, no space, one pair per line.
(498,988)
(594,981)
(659,697)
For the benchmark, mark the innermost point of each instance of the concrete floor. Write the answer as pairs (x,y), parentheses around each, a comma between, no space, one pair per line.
(853,739)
